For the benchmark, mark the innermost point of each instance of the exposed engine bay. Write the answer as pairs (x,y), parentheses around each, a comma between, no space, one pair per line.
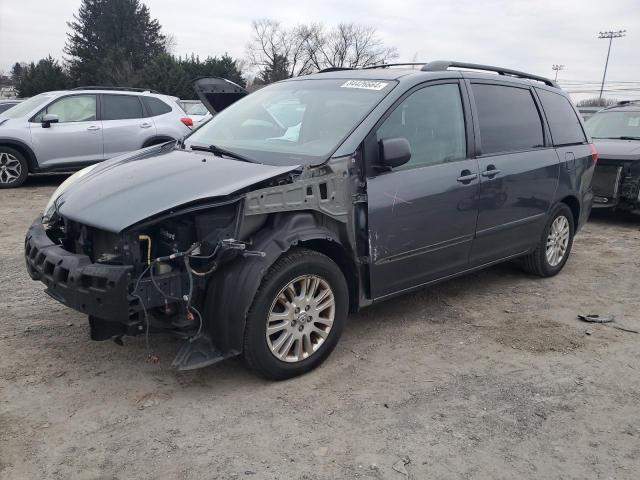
(155,275)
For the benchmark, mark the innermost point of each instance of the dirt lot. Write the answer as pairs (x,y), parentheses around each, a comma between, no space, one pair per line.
(488,376)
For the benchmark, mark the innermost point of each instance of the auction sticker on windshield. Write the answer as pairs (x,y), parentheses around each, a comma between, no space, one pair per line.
(365,84)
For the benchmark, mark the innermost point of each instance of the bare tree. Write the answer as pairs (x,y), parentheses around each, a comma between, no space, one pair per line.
(278,51)
(349,45)
(281,52)
(597,102)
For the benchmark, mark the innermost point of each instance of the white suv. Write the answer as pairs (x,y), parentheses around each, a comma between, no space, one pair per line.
(68,130)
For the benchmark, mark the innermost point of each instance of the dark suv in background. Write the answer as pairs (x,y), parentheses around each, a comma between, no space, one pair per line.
(313,197)
(616,133)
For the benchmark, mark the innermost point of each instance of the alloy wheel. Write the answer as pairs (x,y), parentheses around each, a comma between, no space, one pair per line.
(300,318)
(558,240)
(10,168)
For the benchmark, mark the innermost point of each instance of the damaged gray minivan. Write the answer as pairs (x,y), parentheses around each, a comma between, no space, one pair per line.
(257,234)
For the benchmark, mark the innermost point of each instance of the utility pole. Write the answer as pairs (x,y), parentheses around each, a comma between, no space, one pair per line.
(610,35)
(557,68)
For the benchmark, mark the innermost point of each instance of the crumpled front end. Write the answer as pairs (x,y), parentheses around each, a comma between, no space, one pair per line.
(616,184)
(150,278)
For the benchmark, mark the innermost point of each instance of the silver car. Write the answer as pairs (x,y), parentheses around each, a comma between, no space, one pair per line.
(196,111)
(66,130)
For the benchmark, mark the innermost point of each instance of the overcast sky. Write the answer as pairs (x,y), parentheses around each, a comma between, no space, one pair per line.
(524,35)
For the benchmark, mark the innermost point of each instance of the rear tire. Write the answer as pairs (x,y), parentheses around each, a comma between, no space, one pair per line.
(14,169)
(554,247)
(303,300)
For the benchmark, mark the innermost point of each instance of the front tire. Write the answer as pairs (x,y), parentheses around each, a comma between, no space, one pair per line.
(555,244)
(13,168)
(297,315)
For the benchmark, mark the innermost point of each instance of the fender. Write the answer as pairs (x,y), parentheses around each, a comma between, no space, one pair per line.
(231,291)
(23,147)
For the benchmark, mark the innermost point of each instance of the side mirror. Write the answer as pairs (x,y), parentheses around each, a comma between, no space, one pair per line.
(48,119)
(394,151)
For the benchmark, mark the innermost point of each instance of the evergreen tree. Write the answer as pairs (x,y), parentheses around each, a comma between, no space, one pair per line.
(174,76)
(45,76)
(16,71)
(274,72)
(107,37)
(166,75)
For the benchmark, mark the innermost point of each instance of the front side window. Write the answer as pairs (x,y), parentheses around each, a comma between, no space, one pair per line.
(293,122)
(563,122)
(615,125)
(77,108)
(432,120)
(508,117)
(120,107)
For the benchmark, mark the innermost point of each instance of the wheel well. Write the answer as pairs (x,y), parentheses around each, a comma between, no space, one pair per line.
(337,253)
(157,141)
(24,150)
(574,205)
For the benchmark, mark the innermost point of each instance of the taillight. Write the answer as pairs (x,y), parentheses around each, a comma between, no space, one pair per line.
(187,121)
(594,153)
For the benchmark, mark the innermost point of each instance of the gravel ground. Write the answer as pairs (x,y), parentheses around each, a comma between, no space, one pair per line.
(487,376)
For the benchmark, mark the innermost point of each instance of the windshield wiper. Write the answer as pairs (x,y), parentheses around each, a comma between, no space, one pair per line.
(219,152)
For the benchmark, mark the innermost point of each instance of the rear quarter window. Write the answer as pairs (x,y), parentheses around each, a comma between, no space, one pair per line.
(508,117)
(155,106)
(562,119)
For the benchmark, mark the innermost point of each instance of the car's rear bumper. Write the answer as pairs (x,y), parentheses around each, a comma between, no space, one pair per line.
(97,290)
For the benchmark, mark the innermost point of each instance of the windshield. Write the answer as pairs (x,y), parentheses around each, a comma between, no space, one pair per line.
(614,125)
(195,109)
(27,106)
(294,122)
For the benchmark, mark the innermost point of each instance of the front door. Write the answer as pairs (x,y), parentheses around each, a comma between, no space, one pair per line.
(422,215)
(77,137)
(519,171)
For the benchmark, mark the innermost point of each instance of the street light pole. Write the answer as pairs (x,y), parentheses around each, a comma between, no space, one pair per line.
(557,68)
(610,35)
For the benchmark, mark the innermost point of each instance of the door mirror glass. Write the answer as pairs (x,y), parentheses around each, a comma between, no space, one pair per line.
(48,119)
(394,152)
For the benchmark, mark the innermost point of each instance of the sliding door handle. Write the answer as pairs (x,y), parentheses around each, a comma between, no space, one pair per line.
(490,172)
(467,177)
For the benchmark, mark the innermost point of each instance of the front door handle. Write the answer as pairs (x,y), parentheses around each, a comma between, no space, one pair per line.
(93,127)
(490,172)
(467,177)
(145,125)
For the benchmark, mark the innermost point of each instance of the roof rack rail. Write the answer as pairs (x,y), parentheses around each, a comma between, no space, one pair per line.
(119,89)
(626,102)
(440,65)
(621,103)
(387,65)
(334,69)
(368,67)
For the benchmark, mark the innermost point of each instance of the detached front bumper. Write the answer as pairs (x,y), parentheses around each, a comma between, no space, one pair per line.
(100,291)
